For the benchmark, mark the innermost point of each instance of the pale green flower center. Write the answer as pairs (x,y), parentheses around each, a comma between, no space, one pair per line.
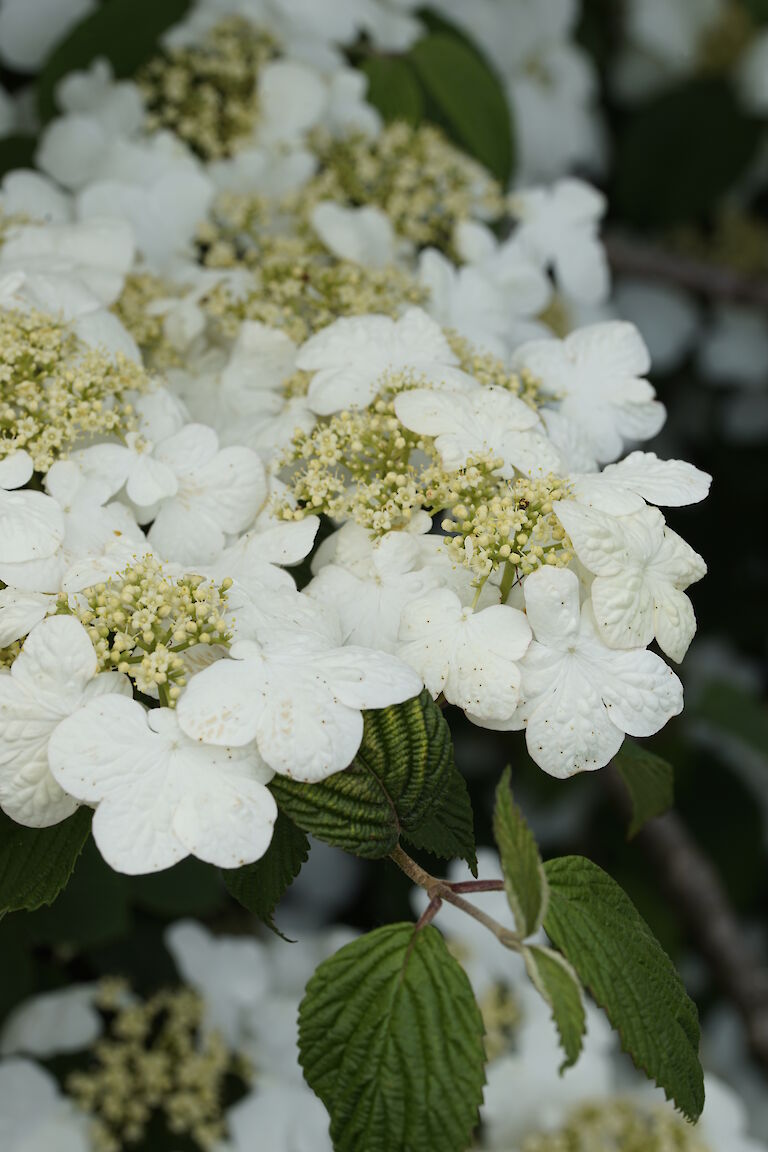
(154,1061)
(55,391)
(619,1126)
(141,621)
(208,93)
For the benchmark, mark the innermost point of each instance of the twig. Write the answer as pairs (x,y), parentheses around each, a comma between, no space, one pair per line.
(442,890)
(696,888)
(639,258)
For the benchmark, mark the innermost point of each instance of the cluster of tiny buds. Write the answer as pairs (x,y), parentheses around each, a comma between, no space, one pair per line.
(298,285)
(154,1061)
(208,94)
(357,465)
(488,369)
(54,391)
(423,183)
(618,1125)
(514,526)
(139,310)
(143,619)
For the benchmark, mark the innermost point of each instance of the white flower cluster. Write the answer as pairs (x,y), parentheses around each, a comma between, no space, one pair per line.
(248,993)
(221,320)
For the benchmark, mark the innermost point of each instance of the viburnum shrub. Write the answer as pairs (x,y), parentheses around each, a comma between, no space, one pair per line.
(303,447)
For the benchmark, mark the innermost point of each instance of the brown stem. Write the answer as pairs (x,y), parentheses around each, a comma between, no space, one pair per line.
(467,886)
(696,888)
(640,258)
(442,890)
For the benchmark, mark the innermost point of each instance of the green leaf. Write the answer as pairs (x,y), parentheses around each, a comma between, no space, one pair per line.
(555,979)
(401,772)
(259,887)
(469,99)
(681,152)
(17,151)
(524,878)
(36,863)
(126,32)
(449,830)
(598,929)
(436,22)
(391,1040)
(650,782)
(394,89)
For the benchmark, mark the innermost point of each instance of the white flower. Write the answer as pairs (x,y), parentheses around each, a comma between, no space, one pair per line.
(559,226)
(641,568)
(147,480)
(33,1114)
(597,374)
(28,193)
(118,104)
(61,1021)
(292,97)
(160,796)
(163,214)
(351,357)
(347,111)
(29,29)
(219,491)
(554,104)
(98,253)
(250,407)
(231,973)
(254,561)
(54,674)
(21,611)
(90,527)
(31,523)
(464,299)
(471,657)
(297,692)
(362,235)
(624,487)
(508,264)
(279,1114)
(63,294)
(479,421)
(369,598)
(265,171)
(579,697)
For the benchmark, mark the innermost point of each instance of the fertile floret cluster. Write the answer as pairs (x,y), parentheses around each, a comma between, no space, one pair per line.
(422,183)
(354,323)
(624,1124)
(154,1060)
(54,391)
(142,619)
(208,94)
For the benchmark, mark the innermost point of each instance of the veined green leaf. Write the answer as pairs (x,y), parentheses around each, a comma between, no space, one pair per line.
(36,863)
(260,886)
(391,1040)
(556,980)
(649,780)
(399,775)
(524,878)
(598,929)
